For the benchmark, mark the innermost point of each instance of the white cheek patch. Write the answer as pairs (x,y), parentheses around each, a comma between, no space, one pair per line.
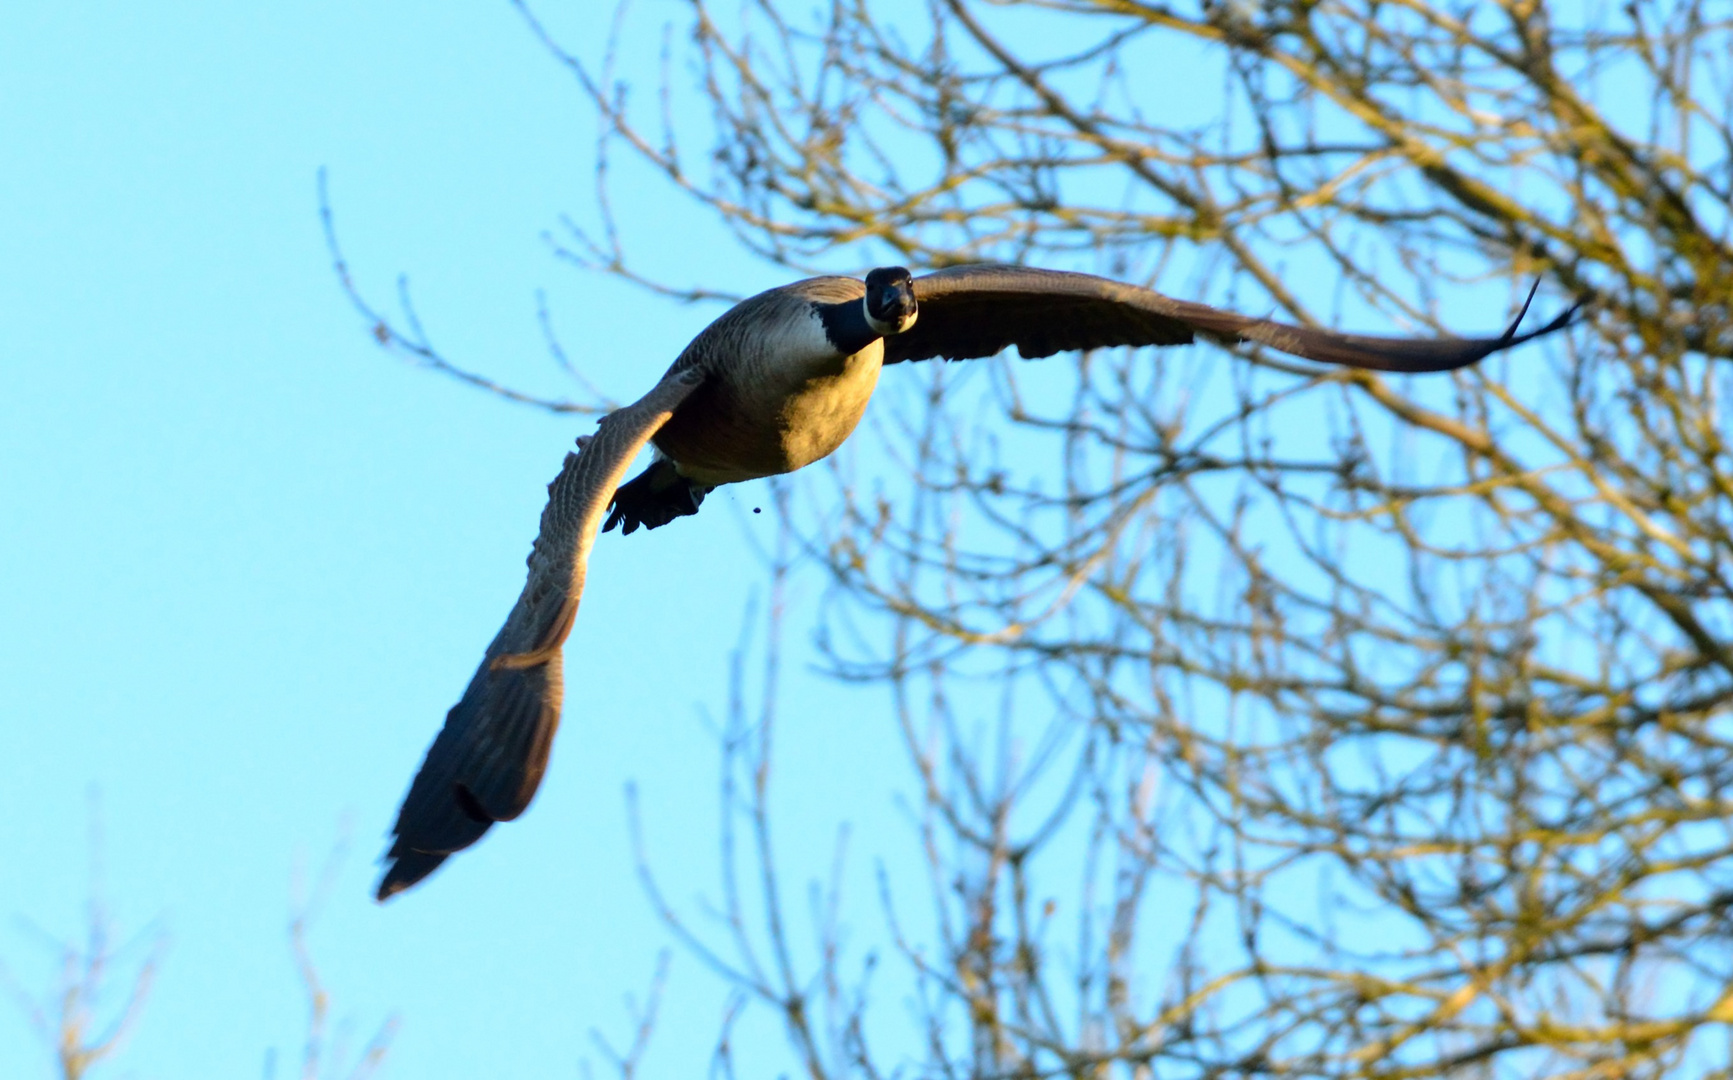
(885,329)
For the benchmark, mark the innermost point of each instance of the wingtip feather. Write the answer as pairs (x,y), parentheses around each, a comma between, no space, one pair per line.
(407,868)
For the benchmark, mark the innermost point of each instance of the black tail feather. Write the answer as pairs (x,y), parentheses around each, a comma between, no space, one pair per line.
(653,498)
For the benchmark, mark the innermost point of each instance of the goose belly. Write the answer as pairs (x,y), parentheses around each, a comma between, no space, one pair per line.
(770,422)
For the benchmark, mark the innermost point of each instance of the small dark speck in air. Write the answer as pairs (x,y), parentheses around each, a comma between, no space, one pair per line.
(756,510)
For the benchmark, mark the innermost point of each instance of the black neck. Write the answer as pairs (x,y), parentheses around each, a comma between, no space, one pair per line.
(846,326)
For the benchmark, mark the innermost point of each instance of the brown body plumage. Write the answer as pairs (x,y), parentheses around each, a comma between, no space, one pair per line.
(766,415)
(776,383)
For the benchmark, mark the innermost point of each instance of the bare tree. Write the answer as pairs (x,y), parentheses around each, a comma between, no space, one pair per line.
(1266,721)
(326,1048)
(102,984)
(100,987)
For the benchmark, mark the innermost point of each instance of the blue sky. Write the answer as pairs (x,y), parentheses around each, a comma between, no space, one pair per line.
(250,560)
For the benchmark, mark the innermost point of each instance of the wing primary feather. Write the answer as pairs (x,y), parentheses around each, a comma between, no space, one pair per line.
(487,761)
(980,310)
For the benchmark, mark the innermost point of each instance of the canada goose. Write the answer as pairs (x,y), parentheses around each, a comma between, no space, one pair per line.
(778,382)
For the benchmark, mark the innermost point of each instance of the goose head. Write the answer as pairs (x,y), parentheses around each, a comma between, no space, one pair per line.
(890,300)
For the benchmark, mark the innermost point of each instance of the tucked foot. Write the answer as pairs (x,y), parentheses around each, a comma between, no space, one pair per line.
(653,498)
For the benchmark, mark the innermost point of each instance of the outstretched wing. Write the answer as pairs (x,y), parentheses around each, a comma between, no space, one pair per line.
(972,311)
(489,758)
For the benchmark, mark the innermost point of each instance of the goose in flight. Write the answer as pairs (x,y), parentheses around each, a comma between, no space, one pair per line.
(775,383)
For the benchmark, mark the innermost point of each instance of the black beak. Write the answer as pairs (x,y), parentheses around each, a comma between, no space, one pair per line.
(902,299)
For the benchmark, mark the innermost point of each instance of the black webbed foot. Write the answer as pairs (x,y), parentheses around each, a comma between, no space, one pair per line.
(653,498)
